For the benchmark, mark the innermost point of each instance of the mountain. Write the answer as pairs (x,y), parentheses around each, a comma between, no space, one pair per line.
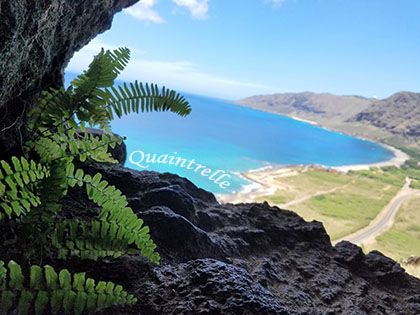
(398,114)
(394,120)
(310,104)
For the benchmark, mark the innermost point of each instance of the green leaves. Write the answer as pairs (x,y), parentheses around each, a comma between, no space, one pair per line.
(90,240)
(117,230)
(52,293)
(16,277)
(18,185)
(94,147)
(102,72)
(31,192)
(136,97)
(92,98)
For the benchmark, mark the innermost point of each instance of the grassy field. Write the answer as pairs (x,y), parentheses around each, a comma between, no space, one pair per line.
(306,183)
(347,202)
(343,202)
(403,239)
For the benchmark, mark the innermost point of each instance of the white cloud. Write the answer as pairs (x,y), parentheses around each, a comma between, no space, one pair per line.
(186,76)
(197,8)
(275,3)
(178,74)
(144,11)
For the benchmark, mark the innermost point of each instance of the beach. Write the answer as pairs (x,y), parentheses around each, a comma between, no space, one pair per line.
(399,159)
(311,122)
(264,182)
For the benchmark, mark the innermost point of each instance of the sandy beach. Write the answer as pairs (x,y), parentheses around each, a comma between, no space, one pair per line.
(311,122)
(264,182)
(399,159)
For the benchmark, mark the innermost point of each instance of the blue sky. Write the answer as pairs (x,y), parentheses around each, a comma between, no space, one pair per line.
(237,48)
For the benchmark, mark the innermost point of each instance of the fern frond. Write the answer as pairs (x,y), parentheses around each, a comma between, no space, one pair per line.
(18,185)
(94,147)
(138,97)
(103,70)
(92,98)
(44,291)
(51,147)
(115,210)
(91,240)
(74,144)
(51,190)
(58,107)
(52,108)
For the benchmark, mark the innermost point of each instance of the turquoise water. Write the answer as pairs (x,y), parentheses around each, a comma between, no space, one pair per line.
(226,139)
(233,139)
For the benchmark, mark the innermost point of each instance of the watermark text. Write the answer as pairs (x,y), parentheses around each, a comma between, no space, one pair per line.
(143,160)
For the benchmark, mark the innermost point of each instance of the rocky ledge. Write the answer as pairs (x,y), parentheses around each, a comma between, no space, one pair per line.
(241,259)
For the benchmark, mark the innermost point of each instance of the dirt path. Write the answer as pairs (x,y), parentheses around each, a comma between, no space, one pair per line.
(384,220)
(318,193)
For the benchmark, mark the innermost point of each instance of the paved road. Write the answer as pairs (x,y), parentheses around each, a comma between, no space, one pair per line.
(385,218)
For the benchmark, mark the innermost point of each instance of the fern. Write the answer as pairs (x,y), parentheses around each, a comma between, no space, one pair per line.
(45,290)
(80,145)
(91,240)
(91,97)
(136,97)
(102,72)
(52,109)
(18,185)
(94,147)
(115,211)
(31,191)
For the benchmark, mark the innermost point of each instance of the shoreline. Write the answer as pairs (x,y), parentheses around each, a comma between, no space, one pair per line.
(260,178)
(398,160)
(311,122)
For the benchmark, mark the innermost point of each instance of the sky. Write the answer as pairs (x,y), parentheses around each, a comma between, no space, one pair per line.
(237,48)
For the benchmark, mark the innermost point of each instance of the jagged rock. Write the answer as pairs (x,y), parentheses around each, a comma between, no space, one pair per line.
(349,253)
(243,259)
(181,239)
(37,39)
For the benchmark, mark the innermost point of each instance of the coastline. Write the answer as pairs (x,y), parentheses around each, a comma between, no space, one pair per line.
(398,160)
(262,181)
(311,122)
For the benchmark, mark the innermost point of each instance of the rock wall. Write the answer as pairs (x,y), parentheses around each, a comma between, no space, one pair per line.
(37,39)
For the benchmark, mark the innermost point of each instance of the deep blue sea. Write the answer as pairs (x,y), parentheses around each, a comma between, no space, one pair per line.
(220,139)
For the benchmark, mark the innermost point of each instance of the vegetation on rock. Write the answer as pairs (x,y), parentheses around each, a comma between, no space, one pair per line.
(32,187)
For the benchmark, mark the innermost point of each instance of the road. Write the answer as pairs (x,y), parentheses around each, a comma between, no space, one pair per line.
(319,193)
(385,219)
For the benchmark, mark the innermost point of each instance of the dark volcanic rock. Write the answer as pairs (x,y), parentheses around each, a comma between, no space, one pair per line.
(208,286)
(243,259)
(37,39)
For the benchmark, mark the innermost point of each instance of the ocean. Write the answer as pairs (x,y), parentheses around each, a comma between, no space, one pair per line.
(220,139)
